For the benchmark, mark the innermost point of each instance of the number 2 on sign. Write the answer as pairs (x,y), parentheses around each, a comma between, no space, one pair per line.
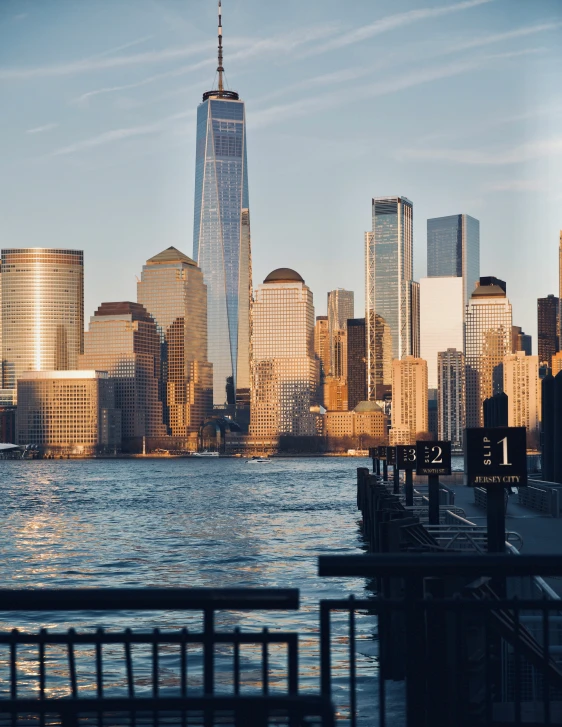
(506,462)
(438,459)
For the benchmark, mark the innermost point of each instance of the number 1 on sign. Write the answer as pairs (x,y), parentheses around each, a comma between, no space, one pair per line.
(506,462)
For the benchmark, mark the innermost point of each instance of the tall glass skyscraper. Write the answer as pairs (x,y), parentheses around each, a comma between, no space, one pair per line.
(221,238)
(391,295)
(42,311)
(453,250)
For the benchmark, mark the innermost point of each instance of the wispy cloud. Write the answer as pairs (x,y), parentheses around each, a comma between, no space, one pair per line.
(41,129)
(392,22)
(409,79)
(489,157)
(129,132)
(517,185)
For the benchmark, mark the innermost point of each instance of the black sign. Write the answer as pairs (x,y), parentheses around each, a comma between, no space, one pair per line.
(433,458)
(406,456)
(496,456)
(381,452)
(391,455)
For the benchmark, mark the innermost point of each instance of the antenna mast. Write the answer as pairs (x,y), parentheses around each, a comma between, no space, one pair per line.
(220,69)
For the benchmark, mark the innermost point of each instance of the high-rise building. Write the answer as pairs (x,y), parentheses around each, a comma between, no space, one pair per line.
(487,342)
(221,237)
(451,397)
(522,385)
(547,318)
(334,394)
(409,397)
(340,310)
(173,293)
(453,250)
(322,345)
(68,412)
(123,340)
(42,311)
(391,295)
(556,364)
(441,320)
(285,369)
(356,362)
(520,341)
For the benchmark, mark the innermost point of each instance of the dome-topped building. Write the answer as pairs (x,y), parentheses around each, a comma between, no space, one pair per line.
(284,275)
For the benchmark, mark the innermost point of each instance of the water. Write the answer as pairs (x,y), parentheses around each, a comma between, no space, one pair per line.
(185,522)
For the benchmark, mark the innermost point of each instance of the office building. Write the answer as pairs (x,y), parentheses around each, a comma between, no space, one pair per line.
(391,295)
(334,394)
(68,412)
(556,364)
(221,238)
(520,341)
(322,345)
(366,420)
(441,320)
(453,250)
(547,319)
(340,310)
(173,293)
(356,362)
(488,341)
(522,385)
(42,311)
(451,397)
(285,369)
(123,340)
(409,397)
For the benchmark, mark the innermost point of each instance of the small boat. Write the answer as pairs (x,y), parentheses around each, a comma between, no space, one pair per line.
(258,460)
(205,454)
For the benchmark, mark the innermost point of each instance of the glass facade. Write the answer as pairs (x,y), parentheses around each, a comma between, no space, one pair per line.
(285,369)
(123,340)
(451,396)
(42,311)
(172,291)
(221,238)
(487,342)
(356,362)
(391,294)
(68,412)
(409,396)
(340,309)
(522,385)
(453,250)
(547,319)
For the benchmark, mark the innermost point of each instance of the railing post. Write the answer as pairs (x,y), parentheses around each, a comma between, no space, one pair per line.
(433,496)
(495,514)
(396,479)
(409,487)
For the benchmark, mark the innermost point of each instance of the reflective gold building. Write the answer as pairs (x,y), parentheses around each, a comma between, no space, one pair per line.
(42,311)
(68,412)
(285,369)
(173,292)
(409,398)
(122,339)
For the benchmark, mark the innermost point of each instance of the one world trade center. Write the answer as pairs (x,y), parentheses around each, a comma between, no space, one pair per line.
(221,239)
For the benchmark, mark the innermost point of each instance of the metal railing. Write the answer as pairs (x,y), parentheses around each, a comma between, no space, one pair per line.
(189,676)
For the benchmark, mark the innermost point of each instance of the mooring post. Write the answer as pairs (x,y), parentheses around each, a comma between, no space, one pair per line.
(433,495)
(409,487)
(384,470)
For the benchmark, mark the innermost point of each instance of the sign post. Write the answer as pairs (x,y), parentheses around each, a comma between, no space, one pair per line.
(391,459)
(406,460)
(496,458)
(382,456)
(433,459)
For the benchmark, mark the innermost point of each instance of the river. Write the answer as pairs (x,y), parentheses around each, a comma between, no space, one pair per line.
(186,522)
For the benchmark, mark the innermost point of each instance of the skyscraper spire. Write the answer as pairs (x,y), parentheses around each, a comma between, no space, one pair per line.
(220,69)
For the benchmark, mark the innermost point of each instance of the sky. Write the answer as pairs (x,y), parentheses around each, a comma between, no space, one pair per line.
(456,105)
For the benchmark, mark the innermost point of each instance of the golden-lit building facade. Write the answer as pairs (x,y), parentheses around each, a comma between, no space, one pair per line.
(340,310)
(285,370)
(122,339)
(522,385)
(322,345)
(487,342)
(367,419)
(68,412)
(172,291)
(42,310)
(409,396)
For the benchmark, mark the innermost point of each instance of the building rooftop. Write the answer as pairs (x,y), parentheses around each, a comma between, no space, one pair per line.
(136,310)
(170,255)
(366,406)
(284,275)
(490,287)
(74,374)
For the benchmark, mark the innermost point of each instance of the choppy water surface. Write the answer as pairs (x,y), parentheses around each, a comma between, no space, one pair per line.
(181,522)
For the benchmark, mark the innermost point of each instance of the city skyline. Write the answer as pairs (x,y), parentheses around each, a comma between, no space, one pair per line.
(121,187)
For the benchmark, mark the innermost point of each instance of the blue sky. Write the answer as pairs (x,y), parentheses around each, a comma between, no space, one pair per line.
(456,105)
